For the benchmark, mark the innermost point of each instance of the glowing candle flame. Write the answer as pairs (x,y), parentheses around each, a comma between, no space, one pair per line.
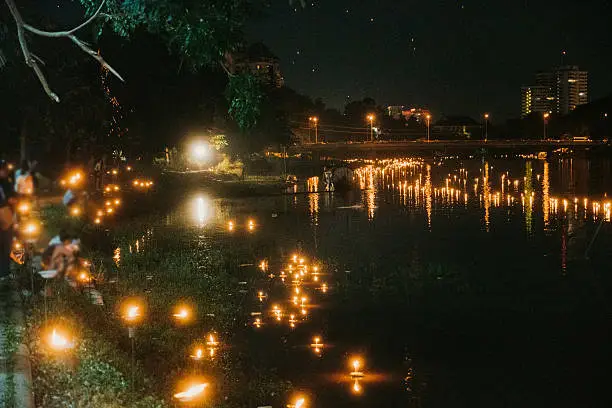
(182,314)
(198,354)
(211,342)
(59,342)
(191,393)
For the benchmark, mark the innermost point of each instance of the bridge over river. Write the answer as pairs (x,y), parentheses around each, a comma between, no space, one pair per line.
(399,148)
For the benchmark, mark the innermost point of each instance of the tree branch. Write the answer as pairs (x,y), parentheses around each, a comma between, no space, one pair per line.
(94,55)
(64,33)
(227,71)
(29,60)
(32,60)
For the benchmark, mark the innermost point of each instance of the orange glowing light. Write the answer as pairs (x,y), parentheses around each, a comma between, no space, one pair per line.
(24,208)
(356,388)
(230,226)
(182,313)
(192,392)
(198,354)
(212,341)
(357,365)
(132,311)
(84,277)
(60,341)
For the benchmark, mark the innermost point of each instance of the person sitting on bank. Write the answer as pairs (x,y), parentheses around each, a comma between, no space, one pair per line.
(24,181)
(7,201)
(60,255)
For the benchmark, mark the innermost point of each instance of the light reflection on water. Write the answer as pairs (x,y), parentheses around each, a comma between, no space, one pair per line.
(407,214)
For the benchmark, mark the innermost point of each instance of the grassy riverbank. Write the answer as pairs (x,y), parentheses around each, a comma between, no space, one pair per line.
(98,373)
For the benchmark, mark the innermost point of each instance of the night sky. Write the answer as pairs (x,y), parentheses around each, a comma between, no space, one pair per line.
(455,57)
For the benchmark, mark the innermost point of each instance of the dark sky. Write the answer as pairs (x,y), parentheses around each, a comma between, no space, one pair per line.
(455,57)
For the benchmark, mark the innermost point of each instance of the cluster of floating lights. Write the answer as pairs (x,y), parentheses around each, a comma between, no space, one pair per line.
(408,178)
(250,225)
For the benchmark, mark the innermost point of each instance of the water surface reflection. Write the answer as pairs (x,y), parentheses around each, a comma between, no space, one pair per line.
(460,283)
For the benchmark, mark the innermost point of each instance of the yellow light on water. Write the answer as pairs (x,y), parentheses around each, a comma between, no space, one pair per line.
(356,389)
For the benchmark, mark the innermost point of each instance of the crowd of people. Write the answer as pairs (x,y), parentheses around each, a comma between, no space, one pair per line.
(18,189)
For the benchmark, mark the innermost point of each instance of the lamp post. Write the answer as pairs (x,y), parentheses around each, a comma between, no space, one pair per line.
(132,314)
(315,121)
(428,117)
(371,118)
(486,118)
(545,120)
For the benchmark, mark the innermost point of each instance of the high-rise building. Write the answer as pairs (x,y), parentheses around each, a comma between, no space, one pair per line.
(558,91)
(536,99)
(572,88)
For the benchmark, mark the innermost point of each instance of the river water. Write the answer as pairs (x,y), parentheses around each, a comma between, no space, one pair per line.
(455,283)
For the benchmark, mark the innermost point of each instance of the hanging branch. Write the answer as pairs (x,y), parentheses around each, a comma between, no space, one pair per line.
(64,33)
(32,61)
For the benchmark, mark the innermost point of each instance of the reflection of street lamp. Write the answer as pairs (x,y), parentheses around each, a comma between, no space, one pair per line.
(315,120)
(428,117)
(371,118)
(545,117)
(486,118)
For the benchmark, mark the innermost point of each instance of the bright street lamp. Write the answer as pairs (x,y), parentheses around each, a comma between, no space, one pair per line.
(201,152)
(545,117)
(315,120)
(486,117)
(371,118)
(428,117)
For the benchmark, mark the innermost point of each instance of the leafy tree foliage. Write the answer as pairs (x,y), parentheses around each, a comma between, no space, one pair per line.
(201,32)
(245,94)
